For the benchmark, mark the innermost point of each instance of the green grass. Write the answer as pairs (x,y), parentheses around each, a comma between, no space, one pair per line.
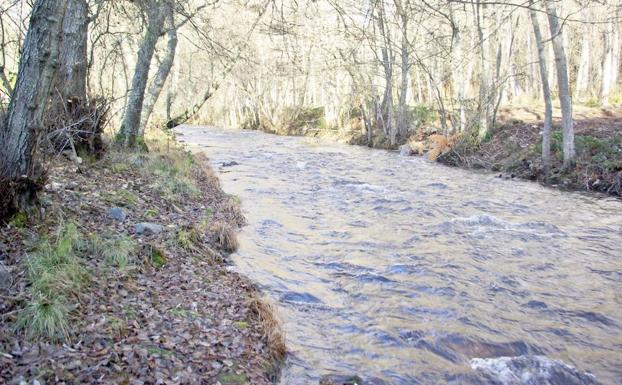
(19,220)
(591,151)
(241,324)
(232,379)
(45,318)
(54,272)
(123,198)
(151,213)
(55,266)
(173,176)
(157,257)
(186,238)
(118,252)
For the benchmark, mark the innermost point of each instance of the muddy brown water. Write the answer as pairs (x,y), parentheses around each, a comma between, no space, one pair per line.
(414,273)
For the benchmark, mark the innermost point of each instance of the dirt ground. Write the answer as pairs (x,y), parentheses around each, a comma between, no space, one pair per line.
(176,314)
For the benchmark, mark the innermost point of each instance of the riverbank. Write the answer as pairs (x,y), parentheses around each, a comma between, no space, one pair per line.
(125,280)
(511,150)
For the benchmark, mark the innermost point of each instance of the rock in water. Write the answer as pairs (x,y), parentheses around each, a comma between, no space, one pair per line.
(531,370)
(341,380)
(406,150)
(147,228)
(117,213)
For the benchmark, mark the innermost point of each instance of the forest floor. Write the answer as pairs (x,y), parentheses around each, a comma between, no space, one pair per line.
(125,280)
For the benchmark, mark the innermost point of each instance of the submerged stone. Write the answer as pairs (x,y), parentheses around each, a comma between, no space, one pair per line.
(531,370)
(341,380)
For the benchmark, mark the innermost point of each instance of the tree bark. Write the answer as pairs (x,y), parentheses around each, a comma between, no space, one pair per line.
(583,71)
(563,84)
(162,74)
(484,78)
(457,72)
(402,120)
(130,127)
(546,92)
(387,64)
(37,67)
(611,58)
(71,79)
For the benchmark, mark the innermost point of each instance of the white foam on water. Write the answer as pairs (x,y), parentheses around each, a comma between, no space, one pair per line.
(530,370)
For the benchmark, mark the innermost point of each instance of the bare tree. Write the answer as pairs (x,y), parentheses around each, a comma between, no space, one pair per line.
(163,71)
(130,127)
(19,168)
(546,92)
(563,84)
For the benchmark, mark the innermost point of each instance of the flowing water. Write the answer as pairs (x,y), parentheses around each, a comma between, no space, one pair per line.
(414,273)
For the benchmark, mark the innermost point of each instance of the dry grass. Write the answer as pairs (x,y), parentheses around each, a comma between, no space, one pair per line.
(225,236)
(271,326)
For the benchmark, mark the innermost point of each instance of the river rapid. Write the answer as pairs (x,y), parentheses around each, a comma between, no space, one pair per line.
(411,272)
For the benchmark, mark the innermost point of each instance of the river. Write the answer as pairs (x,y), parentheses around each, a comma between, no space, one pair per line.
(411,272)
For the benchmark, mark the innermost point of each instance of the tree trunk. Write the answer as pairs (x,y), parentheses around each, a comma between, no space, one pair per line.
(563,84)
(583,72)
(130,127)
(484,81)
(611,58)
(162,74)
(387,64)
(546,92)
(19,169)
(607,65)
(458,77)
(71,79)
(402,121)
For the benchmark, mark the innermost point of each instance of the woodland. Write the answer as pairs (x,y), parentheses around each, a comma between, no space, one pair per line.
(91,91)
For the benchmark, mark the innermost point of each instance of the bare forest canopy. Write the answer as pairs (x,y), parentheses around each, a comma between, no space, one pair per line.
(373,66)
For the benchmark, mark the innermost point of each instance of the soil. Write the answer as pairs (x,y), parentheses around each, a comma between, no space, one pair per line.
(188,319)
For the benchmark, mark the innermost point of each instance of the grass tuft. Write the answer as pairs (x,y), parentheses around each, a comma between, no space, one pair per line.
(54,272)
(118,252)
(226,236)
(55,267)
(45,318)
(157,257)
(273,333)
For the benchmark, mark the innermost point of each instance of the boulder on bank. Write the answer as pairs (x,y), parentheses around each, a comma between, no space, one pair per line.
(147,228)
(117,213)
